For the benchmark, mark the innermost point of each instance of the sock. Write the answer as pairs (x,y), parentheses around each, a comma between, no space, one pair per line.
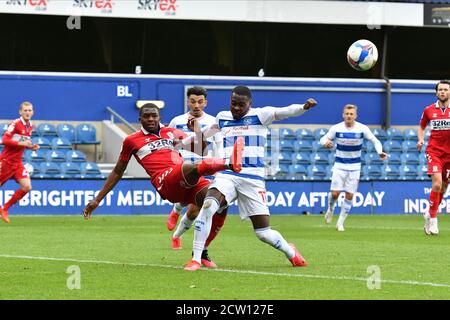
(218,221)
(210,166)
(434,203)
(276,240)
(184,225)
(19,194)
(331,203)
(177,208)
(345,209)
(203,226)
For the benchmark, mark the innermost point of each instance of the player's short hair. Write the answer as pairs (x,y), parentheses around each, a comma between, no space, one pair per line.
(148,106)
(441,82)
(198,91)
(25,104)
(242,91)
(351,106)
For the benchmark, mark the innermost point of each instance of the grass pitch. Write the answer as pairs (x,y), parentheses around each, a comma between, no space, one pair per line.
(129,257)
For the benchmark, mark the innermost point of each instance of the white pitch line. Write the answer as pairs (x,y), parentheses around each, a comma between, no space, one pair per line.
(331,226)
(294,275)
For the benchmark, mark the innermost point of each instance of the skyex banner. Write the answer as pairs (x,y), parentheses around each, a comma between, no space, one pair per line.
(68,197)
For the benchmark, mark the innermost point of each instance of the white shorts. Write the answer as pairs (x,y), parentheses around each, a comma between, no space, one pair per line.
(343,180)
(250,193)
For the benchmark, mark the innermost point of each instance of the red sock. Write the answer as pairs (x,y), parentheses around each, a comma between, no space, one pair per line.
(210,166)
(217,223)
(434,203)
(19,194)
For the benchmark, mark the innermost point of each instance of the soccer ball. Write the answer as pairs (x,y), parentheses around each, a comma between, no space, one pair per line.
(362,55)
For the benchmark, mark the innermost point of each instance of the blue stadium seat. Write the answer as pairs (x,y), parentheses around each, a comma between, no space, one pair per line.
(319,158)
(287,134)
(301,158)
(50,168)
(422,170)
(35,168)
(86,134)
(55,156)
(285,158)
(304,134)
(297,172)
(331,157)
(390,171)
(380,134)
(392,146)
(273,134)
(394,134)
(372,171)
(368,146)
(423,158)
(410,134)
(47,130)
(66,131)
(75,156)
(408,172)
(372,158)
(286,146)
(317,147)
(320,132)
(303,146)
(3,127)
(329,171)
(394,158)
(61,143)
(42,142)
(90,169)
(39,155)
(316,172)
(409,146)
(70,170)
(410,158)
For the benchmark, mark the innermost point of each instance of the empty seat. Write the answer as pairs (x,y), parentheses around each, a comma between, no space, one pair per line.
(55,156)
(320,132)
(392,146)
(70,169)
(61,143)
(372,171)
(316,171)
(47,130)
(75,156)
(394,134)
(410,134)
(50,168)
(394,158)
(410,146)
(303,146)
(86,134)
(319,158)
(287,134)
(286,146)
(390,171)
(372,158)
(42,142)
(317,147)
(368,146)
(331,157)
(66,131)
(301,158)
(408,172)
(380,134)
(91,168)
(298,169)
(304,134)
(422,170)
(285,158)
(410,158)
(39,155)
(3,127)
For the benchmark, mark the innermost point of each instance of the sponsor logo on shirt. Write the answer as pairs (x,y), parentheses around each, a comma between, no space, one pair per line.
(442,124)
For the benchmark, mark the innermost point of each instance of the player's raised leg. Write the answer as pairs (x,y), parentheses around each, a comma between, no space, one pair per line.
(25,187)
(174,215)
(185,224)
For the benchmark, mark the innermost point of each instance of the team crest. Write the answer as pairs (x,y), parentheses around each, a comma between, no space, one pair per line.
(247,121)
(434,115)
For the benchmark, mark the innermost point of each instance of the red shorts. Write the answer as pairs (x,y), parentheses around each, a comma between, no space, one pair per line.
(7,171)
(439,164)
(171,186)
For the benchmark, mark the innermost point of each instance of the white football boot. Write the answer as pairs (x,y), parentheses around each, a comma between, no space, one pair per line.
(434,226)
(426,227)
(328,216)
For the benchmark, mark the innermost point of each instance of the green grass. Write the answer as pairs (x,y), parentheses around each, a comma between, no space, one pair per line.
(130,258)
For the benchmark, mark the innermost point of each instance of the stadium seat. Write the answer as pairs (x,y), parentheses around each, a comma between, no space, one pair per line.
(286,146)
(372,158)
(316,172)
(70,169)
(317,147)
(301,158)
(329,171)
(3,127)
(287,134)
(319,133)
(409,146)
(422,170)
(408,172)
(331,157)
(372,171)
(394,158)
(66,131)
(410,158)
(90,169)
(55,156)
(303,146)
(87,134)
(368,146)
(61,143)
(319,158)
(394,134)
(47,130)
(304,134)
(392,146)
(75,156)
(380,134)
(410,134)
(390,171)
(33,168)
(297,172)
(39,155)
(285,158)
(50,168)
(42,142)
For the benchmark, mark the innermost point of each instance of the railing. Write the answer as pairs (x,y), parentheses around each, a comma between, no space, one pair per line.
(122,119)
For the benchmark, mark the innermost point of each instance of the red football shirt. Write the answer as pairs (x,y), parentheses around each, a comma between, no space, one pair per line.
(18,130)
(155,153)
(439,121)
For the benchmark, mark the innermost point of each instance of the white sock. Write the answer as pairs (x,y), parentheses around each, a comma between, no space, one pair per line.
(184,225)
(276,240)
(203,226)
(345,209)
(331,203)
(177,208)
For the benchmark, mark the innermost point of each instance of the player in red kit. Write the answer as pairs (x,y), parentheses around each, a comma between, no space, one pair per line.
(16,139)
(156,150)
(437,116)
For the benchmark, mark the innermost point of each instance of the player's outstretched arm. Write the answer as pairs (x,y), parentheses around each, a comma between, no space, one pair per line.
(294,110)
(110,183)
